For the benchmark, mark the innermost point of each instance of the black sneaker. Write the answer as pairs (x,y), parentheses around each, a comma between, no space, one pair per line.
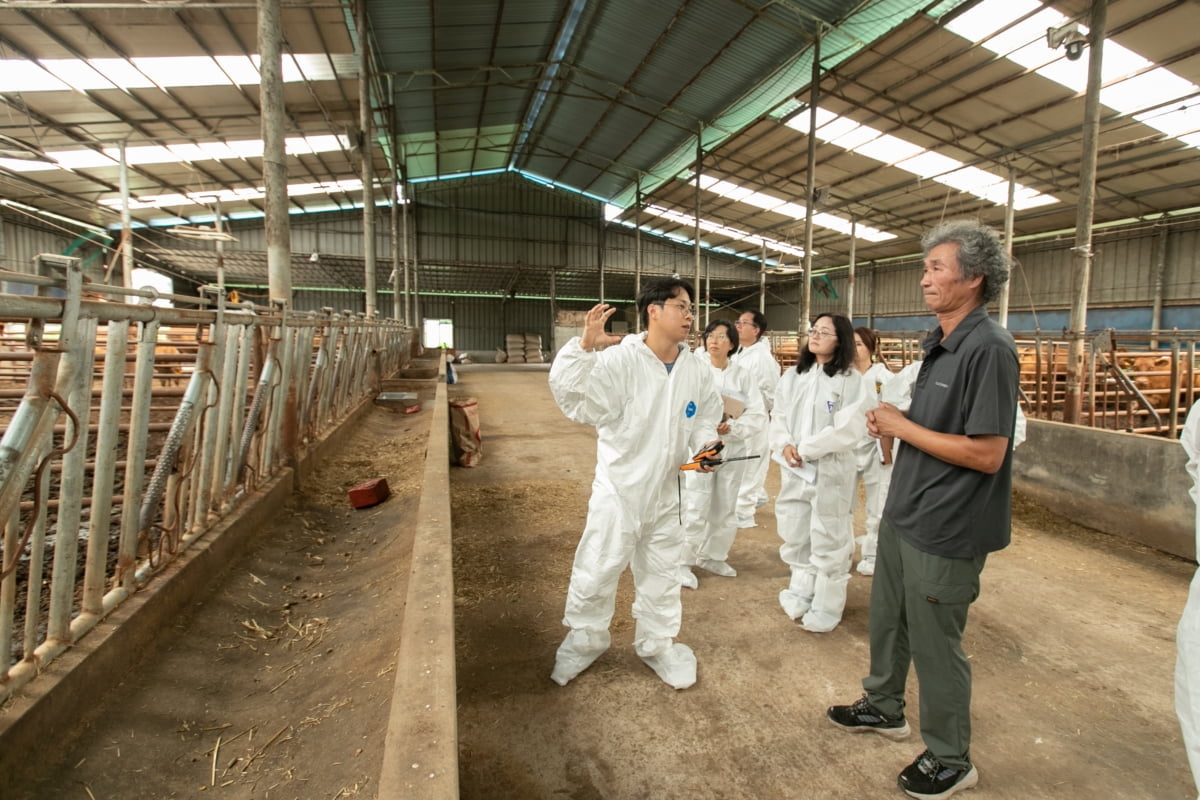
(930,779)
(862,717)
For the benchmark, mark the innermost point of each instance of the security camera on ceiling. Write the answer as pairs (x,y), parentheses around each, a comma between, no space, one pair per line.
(1068,37)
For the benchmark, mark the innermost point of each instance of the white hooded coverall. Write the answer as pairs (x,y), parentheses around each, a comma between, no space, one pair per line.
(712,497)
(648,422)
(761,364)
(824,418)
(876,476)
(1187,635)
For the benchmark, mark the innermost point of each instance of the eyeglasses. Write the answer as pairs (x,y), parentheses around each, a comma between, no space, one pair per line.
(684,308)
(718,337)
(740,324)
(817,333)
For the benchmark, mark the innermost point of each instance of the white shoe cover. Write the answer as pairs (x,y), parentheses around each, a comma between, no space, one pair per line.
(578,650)
(816,622)
(746,521)
(761,500)
(794,604)
(676,665)
(717,568)
(866,566)
(829,601)
(688,579)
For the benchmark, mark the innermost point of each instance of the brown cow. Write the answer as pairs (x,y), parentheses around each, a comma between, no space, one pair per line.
(1151,373)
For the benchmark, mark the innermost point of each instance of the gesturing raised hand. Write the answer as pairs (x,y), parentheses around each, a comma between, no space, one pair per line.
(594,334)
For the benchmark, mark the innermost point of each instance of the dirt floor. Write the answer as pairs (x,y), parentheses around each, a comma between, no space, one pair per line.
(290,661)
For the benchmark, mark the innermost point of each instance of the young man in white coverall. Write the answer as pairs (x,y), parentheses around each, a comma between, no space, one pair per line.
(756,358)
(1187,636)
(653,406)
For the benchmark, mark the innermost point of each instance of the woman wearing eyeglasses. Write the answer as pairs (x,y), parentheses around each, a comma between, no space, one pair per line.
(817,422)
(873,457)
(710,522)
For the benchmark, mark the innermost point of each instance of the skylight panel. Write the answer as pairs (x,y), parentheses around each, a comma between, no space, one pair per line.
(933,166)
(76,74)
(179,153)
(20,165)
(62,74)
(242,70)
(249,148)
(28,76)
(1145,90)
(833,130)
(1179,122)
(854,138)
(888,149)
(1024,197)
(206,198)
(183,71)
(188,152)
(151,154)
(794,210)
(928,164)
(764,201)
(985,19)
(217,151)
(83,159)
(974,181)
(120,73)
(1147,86)
(723,230)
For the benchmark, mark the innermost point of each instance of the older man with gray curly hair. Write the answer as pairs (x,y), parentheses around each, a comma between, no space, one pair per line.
(948,507)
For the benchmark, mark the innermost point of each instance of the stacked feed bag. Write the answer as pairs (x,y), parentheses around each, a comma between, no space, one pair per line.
(514,347)
(533,349)
(567,324)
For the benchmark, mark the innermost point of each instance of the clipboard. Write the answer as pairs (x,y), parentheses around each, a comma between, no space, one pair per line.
(735,403)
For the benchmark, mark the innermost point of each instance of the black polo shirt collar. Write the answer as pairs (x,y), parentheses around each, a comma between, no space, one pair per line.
(951,342)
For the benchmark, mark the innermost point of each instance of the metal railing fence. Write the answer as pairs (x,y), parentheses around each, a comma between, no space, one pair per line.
(130,430)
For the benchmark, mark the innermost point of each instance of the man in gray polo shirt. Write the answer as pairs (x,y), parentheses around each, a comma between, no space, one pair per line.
(948,507)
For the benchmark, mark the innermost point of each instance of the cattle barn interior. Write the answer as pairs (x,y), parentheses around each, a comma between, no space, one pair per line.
(255,255)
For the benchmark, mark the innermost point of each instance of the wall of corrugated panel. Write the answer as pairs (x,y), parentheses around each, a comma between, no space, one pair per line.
(480,323)
(499,221)
(1182,278)
(20,242)
(339,301)
(1122,276)
(334,234)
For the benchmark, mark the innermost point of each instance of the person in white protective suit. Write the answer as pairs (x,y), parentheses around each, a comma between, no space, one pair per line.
(873,457)
(818,421)
(1187,635)
(756,358)
(653,406)
(711,498)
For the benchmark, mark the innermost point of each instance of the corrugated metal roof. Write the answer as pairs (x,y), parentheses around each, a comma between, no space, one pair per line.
(600,97)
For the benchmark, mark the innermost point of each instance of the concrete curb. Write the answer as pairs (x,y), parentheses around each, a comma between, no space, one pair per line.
(420,756)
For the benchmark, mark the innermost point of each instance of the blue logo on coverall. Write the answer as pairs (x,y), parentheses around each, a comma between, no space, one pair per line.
(690,411)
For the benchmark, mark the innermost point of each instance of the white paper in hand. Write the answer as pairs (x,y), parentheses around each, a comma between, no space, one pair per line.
(807,470)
